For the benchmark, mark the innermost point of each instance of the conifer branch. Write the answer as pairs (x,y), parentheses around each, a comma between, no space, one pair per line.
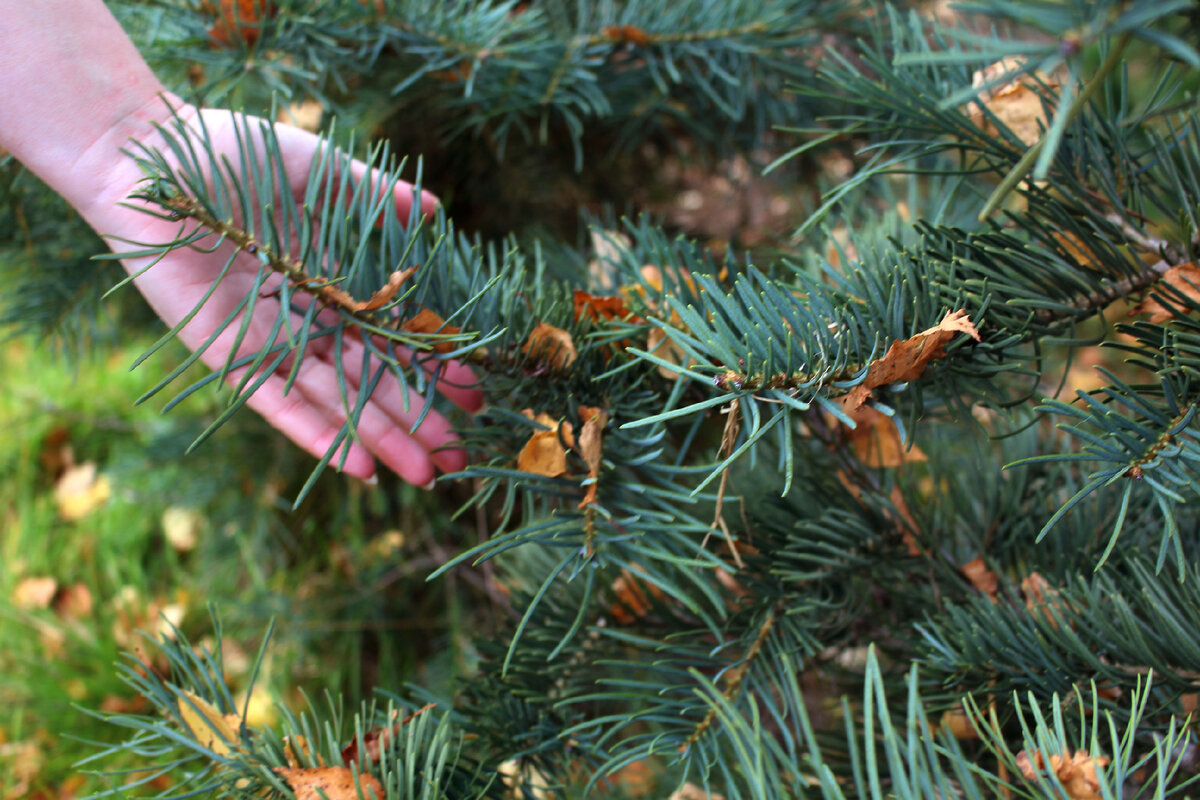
(1175,429)
(1102,298)
(734,679)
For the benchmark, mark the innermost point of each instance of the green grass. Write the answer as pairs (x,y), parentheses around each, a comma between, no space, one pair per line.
(343,577)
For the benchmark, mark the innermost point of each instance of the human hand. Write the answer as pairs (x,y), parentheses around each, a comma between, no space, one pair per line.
(313,412)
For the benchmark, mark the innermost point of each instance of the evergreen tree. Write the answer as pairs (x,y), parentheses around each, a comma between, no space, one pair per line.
(728,489)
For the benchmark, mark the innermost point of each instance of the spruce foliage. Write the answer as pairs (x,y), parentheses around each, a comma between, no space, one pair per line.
(815,524)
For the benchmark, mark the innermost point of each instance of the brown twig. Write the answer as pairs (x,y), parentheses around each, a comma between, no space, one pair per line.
(728,441)
(1152,243)
(734,678)
(1115,291)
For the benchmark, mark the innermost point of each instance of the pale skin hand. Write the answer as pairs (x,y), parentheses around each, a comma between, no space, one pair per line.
(75,92)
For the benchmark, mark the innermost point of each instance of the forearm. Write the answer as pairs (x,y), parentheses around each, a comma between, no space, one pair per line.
(73,89)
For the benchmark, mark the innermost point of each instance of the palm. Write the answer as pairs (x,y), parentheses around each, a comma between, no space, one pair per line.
(312,412)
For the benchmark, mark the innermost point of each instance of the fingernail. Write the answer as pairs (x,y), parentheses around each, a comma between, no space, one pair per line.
(430,485)
(372,481)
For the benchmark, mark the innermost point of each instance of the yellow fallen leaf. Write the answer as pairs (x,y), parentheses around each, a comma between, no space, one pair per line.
(180,527)
(956,722)
(212,729)
(36,592)
(80,490)
(690,791)
(305,114)
(330,783)
(261,711)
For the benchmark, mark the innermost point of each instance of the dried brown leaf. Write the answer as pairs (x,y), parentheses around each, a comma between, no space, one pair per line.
(24,763)
(981,577)
(905,522)
(376,740)
(1041,598)
(628,34)
(876,440)
(597,308)
(385,293)
(666,348)
(1184,279)
(544,453)
(956,722)
(635,779)
(633,596)
(589,446)
(551,344)
(297,747)
(906,360)
(1028,765)
(1076,773)
(690,791)
(330,783)
(74,602)
(1016,102)
(334,296)
(427,321)
(237,19)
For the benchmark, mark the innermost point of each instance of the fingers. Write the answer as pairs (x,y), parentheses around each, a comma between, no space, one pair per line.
(457,384)
(308,426)
(300,148)
(315,410)
(313,413)
(455,381)
(399,409)
(404,192)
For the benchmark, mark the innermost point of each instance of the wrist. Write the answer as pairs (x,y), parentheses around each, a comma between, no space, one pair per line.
(74,87)
(101,176)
